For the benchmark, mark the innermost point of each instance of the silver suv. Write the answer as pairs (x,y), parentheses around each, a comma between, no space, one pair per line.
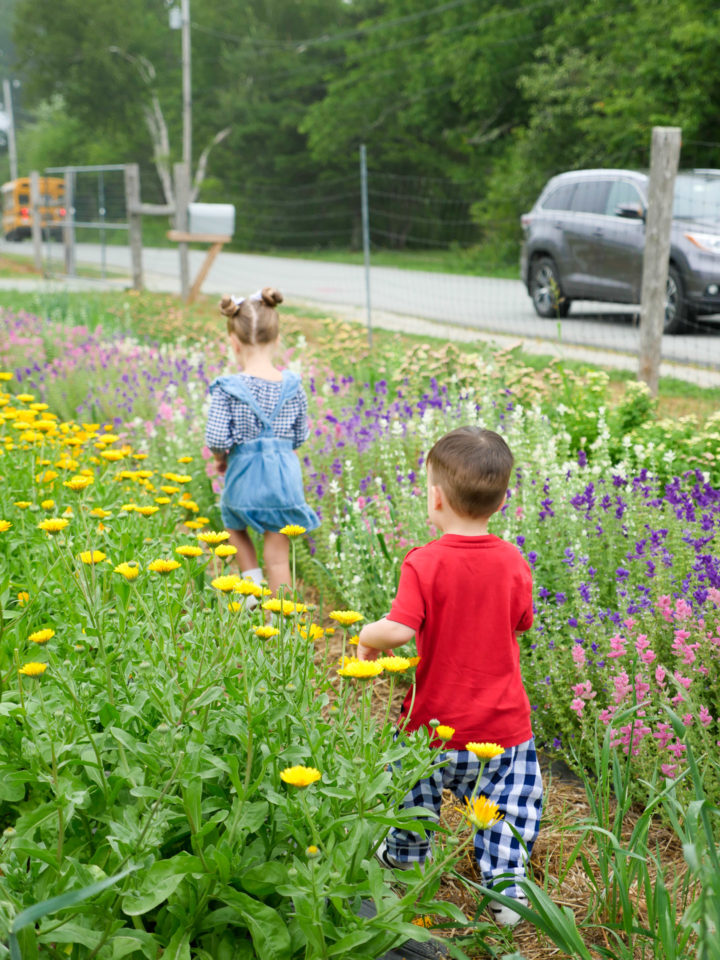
(585,236)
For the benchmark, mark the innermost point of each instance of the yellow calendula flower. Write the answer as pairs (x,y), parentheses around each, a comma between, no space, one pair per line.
(185,460)
(312,851)
(163,566)
(47,504)
(140,456)
(189,505)
(286,607)
(92,556)
(4,525)
(112,456)
(445,732)
(226,584)
(42,636)
(39,406)
(424,921)
(481,813)
(23,598)
(293,530)
(414,661)
(248,588)
(177,477)
(25,397)
(361,670)
(485,751)
(5,375)
(212,536)
(346,617)
(313,632)
(225,550)
(129,507)
(53,524)
(100,513)
(195,524)
(266,632)
(33,669)
(162,500)
(189,551)
(46,476)
(146,511)
(169,490)
(394,664)
(78,483)
(22,504)
(300,776)
(130,570)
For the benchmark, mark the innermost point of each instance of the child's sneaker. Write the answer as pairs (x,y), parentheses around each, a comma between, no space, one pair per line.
(384,858)
(504,916)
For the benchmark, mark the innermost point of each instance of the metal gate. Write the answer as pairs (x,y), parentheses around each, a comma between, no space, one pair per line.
(95,224)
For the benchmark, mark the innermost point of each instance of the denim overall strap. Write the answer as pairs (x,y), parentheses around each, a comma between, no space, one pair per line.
(290,386)
(234,387)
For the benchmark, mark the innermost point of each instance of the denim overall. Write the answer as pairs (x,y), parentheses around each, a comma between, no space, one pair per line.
(263,482)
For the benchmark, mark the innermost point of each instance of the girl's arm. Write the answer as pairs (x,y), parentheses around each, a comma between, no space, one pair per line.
(382,635)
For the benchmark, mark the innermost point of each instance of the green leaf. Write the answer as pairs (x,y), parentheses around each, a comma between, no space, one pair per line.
(70,933)
(54,904)
(127,941)
(267,928)
(12,783)
(351,940)
(159,883)
(264,879)
(179,946)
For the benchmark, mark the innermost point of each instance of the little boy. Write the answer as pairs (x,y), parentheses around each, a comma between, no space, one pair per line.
(465,596)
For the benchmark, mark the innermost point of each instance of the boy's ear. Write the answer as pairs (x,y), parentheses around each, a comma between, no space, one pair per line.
(437,496)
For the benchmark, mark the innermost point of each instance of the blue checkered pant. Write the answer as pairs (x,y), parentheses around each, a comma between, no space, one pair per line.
(511,780)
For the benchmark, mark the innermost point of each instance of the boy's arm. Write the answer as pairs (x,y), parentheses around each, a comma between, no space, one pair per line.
(382,635)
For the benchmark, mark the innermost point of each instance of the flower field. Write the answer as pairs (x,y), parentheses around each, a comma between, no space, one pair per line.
(191,767)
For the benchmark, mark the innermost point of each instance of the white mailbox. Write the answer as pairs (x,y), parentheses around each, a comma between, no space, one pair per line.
(211,219)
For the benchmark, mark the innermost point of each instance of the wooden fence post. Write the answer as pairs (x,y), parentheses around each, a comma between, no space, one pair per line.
(182,199)
(134,217)
(36,227)
(664,156)
(69,226)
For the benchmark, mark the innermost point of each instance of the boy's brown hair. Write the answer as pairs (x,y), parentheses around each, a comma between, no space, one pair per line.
(255,320)
(473,468)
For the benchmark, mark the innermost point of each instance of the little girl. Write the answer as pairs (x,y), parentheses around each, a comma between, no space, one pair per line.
(257,418)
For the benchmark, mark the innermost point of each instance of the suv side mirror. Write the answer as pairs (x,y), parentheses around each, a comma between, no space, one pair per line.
(630,211)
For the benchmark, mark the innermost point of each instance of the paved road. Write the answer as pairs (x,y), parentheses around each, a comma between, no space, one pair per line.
(480,303)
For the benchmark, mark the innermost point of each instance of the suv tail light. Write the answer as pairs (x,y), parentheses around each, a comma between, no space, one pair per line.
(24,212)
(525,220)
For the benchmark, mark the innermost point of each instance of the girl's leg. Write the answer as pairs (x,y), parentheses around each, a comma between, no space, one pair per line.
(513,781)
(246,555)
(276,558)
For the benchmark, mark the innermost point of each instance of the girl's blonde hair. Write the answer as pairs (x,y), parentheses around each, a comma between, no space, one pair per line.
(254,321)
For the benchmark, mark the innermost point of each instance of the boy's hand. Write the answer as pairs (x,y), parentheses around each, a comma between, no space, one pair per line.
(366,653)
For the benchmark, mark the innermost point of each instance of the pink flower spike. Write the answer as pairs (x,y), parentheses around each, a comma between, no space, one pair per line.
(705,716)
(668,770)
(688,719)
(578,706)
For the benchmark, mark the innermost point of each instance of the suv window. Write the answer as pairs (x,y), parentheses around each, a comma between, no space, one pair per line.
(622,192)
(591,196)
(560,198)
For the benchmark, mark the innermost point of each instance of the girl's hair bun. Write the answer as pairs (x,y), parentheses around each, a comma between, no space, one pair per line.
(271,297)
(228,307)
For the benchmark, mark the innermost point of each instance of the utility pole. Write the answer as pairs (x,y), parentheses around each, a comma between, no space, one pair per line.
(12,149)
(186,88)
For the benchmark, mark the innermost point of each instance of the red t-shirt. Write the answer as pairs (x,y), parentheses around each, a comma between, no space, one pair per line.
(465,598)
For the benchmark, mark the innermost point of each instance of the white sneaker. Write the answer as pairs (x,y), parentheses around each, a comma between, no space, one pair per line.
(504,916)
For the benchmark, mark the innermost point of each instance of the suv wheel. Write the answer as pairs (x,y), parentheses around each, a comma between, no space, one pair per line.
(547,296)
(677,313)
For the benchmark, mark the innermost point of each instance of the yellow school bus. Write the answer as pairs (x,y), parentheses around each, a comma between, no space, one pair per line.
(16,212)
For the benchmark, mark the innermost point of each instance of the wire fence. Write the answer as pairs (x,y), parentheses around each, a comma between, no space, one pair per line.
(434,257)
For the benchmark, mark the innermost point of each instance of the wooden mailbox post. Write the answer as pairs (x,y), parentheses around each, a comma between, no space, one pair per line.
(211,223)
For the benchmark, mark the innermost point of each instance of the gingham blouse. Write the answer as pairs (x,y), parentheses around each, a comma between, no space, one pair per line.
(230,421)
